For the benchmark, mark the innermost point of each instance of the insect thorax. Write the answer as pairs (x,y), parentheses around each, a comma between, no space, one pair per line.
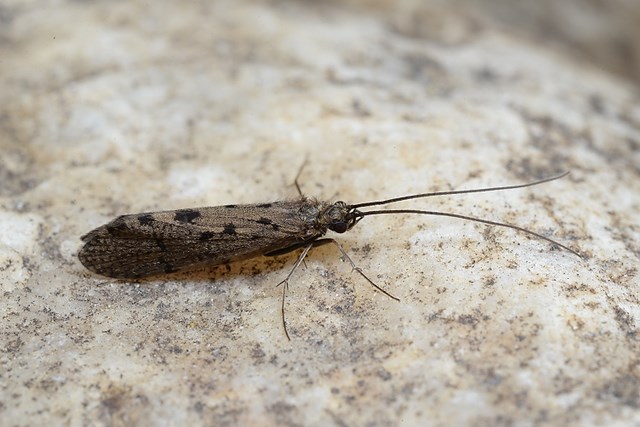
(322,216)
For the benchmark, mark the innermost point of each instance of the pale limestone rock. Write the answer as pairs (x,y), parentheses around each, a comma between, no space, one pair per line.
(116,107)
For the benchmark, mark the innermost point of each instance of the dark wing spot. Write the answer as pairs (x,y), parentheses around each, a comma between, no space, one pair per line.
(168,268)
(206,235)
(230,206)
(267,221)
(161,245)
(265,205)
(146,219)
(230,229)
(116,227)
(186,215)
(256,236)
(111,229)
(264,221)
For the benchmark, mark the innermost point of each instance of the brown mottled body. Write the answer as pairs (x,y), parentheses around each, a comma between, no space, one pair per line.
(146,244)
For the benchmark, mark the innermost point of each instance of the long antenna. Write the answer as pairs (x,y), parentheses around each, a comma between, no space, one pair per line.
(449,193)
(470,218)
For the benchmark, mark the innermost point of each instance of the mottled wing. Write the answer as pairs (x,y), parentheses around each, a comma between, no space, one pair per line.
(139,245)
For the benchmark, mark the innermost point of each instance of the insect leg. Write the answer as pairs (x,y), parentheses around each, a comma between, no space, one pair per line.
(285,284)
(292,248)
(300,260)
(356,268)
(295,181)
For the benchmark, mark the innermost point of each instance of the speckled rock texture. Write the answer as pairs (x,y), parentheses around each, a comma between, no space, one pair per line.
(119,107)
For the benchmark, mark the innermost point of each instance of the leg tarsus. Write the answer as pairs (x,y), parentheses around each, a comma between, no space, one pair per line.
(284,322)
(285,282)
(354,267)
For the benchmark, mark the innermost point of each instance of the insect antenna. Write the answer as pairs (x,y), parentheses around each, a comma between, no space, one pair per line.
(450,193)
(358,215)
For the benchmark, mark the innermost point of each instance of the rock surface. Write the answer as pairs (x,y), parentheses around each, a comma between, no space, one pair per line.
(118,107)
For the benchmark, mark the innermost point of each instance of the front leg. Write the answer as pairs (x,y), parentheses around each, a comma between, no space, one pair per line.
(313,243)
(307,247)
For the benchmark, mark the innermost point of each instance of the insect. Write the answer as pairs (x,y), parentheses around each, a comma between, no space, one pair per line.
(151,243)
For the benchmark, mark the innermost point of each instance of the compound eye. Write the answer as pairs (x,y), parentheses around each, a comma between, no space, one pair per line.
(339,227)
